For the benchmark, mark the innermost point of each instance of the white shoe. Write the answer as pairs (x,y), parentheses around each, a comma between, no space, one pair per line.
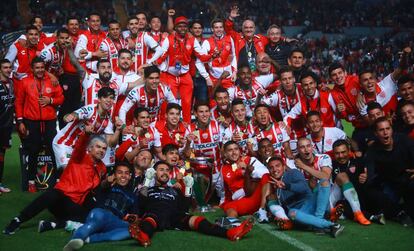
(72,225)
(73,244)
(261,215)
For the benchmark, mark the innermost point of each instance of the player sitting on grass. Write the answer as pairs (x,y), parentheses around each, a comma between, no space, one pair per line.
(104,223)
(166,207)
(293,193)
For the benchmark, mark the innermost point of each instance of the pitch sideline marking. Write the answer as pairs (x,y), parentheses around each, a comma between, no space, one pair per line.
(284,237)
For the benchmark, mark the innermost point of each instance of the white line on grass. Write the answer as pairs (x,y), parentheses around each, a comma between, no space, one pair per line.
(284,237)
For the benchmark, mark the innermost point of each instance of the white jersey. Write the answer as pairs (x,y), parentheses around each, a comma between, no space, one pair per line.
(138,96)
(281,101)
(320,160)
(91,85)
(331,135)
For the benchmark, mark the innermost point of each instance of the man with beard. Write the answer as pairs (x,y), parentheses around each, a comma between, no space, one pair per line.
(246,89)
(144,136)
(266,128)
(222,111)
(284,99)
(293,193)
(113,43)
(36,104)
(313,100)
(204,139)
(151,95)
(7,98)
(171,129)
(98,116)
(349,176)
(53,54)
(87,48)
(223,57)
(165,207)
(240,130)
(179,48)
(390,163)
(140,42)
(69,199)
(92,83)
(244,179)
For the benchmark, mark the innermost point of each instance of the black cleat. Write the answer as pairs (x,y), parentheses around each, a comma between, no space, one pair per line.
(336,230)
(12,227)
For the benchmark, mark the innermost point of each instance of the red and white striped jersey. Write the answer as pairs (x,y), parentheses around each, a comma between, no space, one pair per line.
(246,132)
(91,85)
(139,96)
(325,145)
(112,47)
(386,96)
(86,115)
(207,143)
(152,136)
(143,44)
(320,160)
(53,58)
(248,96)
(283,102)
(123,80)
(275,134)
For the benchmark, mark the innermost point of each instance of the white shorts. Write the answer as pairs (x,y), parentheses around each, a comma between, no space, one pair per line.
(62,154)
(335,195)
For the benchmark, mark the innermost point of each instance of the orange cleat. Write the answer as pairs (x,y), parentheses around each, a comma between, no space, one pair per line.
(360,218)
(136,233)
(32,188)
(336,212)
(284,224)
(236,233)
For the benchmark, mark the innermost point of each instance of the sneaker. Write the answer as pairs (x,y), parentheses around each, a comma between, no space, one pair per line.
(404,219)
(261,216)
(284,224)
(378,218)
(72,225)
(73,244)
(32,188)
(45,226)
(360,218)
(336,230)
(336,212)
(136,233)
(4,189)
(12,227)
(236,233)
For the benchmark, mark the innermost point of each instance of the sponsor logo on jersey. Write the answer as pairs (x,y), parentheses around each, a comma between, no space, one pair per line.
(205,146)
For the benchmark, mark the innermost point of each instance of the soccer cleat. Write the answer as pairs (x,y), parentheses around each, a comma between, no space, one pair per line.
(236,233)
(378,218)
(44,226)
(360,218)
(4,189)
(73,244)
(336,230)
(12,227)
(261,216)
(336,212)
(32,188)
(137,234)
(284,224)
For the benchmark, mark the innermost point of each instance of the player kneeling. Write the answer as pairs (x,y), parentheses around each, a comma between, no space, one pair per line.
(167,208)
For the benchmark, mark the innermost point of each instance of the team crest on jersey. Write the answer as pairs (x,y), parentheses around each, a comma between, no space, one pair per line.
(324,110)
(188,46)
(354,91)
(352,169)
(382,94)
(139,45)
(240,93)
(142,98)
(215,137)
(227,47)
(205,135)
(279,137)
(65,87)
(270,137)
(48,90)
(329,141)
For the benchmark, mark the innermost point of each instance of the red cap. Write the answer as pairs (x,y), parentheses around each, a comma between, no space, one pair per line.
(181,19)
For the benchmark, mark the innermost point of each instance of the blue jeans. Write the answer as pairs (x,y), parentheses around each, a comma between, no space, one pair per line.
(306,214)
(102,225)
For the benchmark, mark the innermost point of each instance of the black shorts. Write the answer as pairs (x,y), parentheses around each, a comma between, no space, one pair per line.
(5,137)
